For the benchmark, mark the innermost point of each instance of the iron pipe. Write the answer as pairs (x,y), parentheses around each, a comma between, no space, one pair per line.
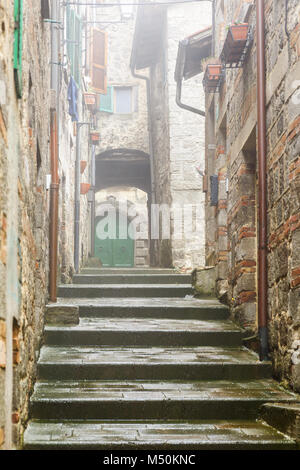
(262,182)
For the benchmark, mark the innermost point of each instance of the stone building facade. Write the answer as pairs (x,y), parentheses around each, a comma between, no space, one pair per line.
(26,103)
(231,154)
(177,135)
(122,128)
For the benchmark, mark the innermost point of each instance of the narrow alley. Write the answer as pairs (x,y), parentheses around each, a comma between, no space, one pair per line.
(149,225)
(156,372)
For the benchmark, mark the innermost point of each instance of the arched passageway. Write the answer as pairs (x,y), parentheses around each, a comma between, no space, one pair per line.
(122,175)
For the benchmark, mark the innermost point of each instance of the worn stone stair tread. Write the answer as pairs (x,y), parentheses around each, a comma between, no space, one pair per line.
(136,279)
(138,302)
(145,332)
(152,307)
(136,270)
(177,435)
(126,286)
(125,290)
(148,324)
(150,355)
(216,390)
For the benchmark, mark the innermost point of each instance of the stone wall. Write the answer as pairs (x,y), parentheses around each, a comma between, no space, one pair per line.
(24,216)
(179,137)
(128,131)
(234,113)
(24,208)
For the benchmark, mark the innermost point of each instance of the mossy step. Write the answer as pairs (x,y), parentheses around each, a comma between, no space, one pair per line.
(154,399)
(132,279)
(125,290)
(152,363)
(188,308)
(154,435)
(145,332)
(140,271)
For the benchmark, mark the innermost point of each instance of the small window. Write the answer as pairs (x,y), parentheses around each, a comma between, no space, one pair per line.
(120,100)
(123,100)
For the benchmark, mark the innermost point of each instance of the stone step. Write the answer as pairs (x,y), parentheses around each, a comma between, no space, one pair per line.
(189,309)
(134,363)
(141,271)
(154,400)
(132,279)
(154,435)
(124,290)
(145,332)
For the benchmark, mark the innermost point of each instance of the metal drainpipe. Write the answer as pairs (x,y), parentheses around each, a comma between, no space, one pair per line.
(93,205)
(185,106)
(77,200)
(54,188)
(153,196)
(262,182)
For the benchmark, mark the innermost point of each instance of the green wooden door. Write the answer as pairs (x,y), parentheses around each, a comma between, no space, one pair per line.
(114,252)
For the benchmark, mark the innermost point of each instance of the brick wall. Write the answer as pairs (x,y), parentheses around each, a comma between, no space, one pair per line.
(236,108)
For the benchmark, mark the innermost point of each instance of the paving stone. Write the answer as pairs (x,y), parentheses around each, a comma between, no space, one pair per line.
(149,367)
(157,435)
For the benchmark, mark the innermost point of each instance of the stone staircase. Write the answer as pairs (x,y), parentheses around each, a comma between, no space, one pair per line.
(149,368)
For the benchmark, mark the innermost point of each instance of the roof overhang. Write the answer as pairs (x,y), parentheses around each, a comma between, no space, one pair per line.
(191,51)
(147,36)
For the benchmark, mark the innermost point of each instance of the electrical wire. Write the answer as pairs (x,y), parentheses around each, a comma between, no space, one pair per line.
(103,5)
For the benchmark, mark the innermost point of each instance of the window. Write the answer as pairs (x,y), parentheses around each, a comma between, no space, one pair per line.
(99,61)
(123,100)
(120,100)
(74,46)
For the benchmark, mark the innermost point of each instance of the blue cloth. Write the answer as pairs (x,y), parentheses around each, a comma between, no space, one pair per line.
(72,98)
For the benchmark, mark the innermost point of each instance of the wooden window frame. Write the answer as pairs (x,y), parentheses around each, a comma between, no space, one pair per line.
(98,66)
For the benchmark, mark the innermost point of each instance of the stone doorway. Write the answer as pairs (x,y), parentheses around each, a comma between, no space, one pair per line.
(121,227)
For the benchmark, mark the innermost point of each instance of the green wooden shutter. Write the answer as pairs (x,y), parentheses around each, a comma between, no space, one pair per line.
(77,61)
(74,43)
(107,101)
(70,20)
(18,40)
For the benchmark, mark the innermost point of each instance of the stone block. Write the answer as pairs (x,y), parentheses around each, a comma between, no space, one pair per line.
(204,280)
(93,263)
(62,315)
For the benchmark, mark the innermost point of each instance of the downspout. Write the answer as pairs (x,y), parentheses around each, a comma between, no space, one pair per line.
(77,200)
(153,196)
(262,182)
(185,106)
(93,204)
(54,188)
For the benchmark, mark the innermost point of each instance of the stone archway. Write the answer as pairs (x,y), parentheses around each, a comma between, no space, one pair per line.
(123,167)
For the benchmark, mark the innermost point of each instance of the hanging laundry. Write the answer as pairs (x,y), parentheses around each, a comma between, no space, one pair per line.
(72,98)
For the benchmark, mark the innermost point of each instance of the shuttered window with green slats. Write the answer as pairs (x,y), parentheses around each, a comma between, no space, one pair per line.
(107,101)
(18,40)
(74,43)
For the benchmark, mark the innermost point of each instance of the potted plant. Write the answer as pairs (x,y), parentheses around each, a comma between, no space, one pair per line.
(84,188)
(239,31)
(83,165)
(90,100)
(212,77)
(235,44)
(95,137)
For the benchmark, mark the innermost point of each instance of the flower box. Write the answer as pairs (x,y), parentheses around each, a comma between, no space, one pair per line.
(90,100)
(95,138)
(235,45)
(212,78)
(83,165)
(84,188)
